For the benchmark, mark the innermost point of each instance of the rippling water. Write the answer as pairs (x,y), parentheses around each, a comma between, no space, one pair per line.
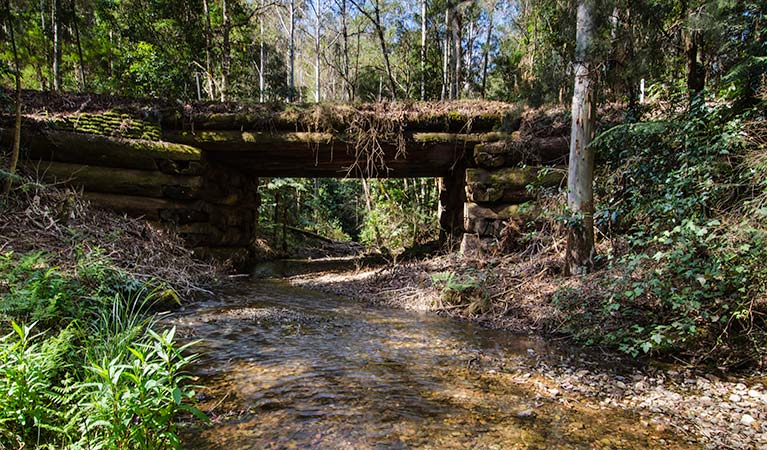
(286,367)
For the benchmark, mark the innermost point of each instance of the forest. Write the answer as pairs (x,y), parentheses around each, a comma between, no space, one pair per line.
(643,264)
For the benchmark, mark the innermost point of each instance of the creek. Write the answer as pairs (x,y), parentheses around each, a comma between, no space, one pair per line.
(287,367)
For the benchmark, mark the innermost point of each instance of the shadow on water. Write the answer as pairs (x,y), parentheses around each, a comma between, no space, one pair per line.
(286,367)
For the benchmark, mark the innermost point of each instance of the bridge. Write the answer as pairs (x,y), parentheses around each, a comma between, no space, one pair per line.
(196,167)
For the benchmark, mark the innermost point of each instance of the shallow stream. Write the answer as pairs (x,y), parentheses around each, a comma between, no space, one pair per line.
(286,367)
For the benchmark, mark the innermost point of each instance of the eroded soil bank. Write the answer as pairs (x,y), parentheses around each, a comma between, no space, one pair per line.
(289,367)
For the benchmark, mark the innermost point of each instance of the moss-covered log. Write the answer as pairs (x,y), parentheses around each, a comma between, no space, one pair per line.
(108,123)
(519,150)
(488,186)
(244,140)
(106,151)
(142,183)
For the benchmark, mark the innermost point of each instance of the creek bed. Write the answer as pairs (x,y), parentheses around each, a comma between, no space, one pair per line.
(286,367)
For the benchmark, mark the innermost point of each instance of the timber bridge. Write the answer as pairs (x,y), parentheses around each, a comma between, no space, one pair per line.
(196,167)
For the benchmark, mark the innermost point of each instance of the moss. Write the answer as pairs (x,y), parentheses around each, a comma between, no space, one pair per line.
(249,137)
(167,150)
(470,138)
(108,123)
(511,178)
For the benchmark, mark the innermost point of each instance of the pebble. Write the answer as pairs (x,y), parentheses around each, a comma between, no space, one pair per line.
(735,398)
(747,420)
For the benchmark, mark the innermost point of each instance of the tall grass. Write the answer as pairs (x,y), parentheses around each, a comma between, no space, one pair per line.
(81,364)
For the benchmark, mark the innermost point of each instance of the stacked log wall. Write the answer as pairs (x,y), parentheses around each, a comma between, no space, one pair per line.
(504,183)
(119,164)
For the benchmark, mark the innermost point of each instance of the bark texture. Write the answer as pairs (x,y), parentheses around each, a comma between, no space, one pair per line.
(580,196)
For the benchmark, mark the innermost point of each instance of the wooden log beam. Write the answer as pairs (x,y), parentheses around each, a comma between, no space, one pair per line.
(155,209)
(105,151)
(142,183)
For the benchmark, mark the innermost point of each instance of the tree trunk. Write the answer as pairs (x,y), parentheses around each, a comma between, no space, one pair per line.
(696,73)
(317,48)
(208,58)
(423,50)
(382,40)
(375,19)
(43,81)
(446,57)
(348,85)
(486,56)
(292,50)
(369,207)
(261,85)
(455,85)
(56,22)
(696,76)
(79,47)
(17,125)
(226,52)
(580,176)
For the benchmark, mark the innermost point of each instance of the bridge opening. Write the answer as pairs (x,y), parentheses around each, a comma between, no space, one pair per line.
(389,214)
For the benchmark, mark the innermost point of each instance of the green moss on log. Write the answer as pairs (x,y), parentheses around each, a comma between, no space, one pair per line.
(109,123)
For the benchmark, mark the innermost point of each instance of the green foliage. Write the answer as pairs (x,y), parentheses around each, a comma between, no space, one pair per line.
(133,398)
(402,214)
(98,376)
(456,288)
(31,409)
(680,194)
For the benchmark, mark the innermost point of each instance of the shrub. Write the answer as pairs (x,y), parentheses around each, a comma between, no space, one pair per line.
(679,194)
(98,375)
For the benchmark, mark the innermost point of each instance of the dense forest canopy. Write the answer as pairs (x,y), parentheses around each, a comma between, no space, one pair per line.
(363,50)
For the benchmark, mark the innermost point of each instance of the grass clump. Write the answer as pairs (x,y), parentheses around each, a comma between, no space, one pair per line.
(81,362)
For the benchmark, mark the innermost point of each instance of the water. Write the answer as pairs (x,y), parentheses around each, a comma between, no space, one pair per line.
(286,367)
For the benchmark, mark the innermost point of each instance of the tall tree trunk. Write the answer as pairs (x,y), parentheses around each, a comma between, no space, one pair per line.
(456,25)
(17,125)
(44,82)
(208,44)
(580,175)
(291,50)
(446,58)
(423,50)
(56,24)
(696,75)
(226,52)
(261,85)
(469,56)
(317,48)
(375,19)
(486,55)
(349,86)
(369,207)
(382,40)
(79,48)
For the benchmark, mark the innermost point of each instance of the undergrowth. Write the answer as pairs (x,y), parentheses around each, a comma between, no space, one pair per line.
(682,200)
(81,364)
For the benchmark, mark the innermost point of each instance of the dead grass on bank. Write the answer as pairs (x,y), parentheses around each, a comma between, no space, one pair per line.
(57,221)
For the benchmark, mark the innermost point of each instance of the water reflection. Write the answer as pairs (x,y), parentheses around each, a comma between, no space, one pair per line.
(291,368)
